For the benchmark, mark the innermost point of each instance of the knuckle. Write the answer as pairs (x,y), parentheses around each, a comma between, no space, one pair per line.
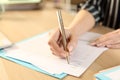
(49,42)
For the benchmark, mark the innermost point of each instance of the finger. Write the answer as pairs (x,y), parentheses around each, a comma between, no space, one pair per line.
(54,52)
(72,43)
(55,43)
(115,46)
(57,48)
(104,39)
(98,41)
(110,42)
(103,44)
(54,46)
(54,37)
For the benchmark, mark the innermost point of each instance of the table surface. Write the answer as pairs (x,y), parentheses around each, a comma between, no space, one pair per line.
(20,25)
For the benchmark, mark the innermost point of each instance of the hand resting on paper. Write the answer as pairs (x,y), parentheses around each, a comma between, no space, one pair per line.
(110,40)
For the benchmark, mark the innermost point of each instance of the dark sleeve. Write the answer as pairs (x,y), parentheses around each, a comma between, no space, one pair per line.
(93,6)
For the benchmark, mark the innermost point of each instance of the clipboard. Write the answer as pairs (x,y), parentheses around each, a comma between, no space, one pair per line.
(29,65)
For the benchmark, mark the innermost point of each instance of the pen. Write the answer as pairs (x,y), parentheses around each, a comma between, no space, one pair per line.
(62,31)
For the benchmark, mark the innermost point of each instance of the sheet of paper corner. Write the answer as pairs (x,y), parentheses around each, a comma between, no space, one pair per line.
(4,41)
(41,55)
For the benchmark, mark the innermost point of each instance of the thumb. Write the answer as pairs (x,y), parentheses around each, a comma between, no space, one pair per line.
(72,44)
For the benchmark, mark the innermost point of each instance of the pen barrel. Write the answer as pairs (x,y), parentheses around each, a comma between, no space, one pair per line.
(62,32)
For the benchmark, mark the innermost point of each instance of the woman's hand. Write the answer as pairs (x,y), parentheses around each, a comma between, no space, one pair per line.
(110,40)
(83,22)
(55,42)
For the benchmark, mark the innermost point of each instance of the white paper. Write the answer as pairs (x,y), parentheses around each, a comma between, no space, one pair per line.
(4,41)
(114,75)
(37,52)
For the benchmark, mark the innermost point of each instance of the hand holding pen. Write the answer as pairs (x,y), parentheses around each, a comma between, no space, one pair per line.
(62,33)
(56,43)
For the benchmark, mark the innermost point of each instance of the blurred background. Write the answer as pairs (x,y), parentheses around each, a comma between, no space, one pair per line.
(70,5)
(22,19)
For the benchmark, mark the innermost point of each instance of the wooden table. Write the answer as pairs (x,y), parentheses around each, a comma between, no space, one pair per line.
(20,25)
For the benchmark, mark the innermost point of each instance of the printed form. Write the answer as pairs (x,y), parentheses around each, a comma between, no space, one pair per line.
(37,52)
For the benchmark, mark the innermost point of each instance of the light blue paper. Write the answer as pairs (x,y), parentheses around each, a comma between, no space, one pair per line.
(29,65)
(102,75)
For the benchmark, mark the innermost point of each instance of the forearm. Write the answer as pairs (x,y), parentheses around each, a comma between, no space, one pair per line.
(83,21)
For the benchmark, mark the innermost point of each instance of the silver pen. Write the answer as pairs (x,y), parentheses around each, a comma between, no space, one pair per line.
(62,31)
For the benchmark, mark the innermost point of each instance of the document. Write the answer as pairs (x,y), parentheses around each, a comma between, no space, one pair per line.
(37,52)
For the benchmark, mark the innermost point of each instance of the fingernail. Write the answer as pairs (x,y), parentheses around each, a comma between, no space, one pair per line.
(70,48)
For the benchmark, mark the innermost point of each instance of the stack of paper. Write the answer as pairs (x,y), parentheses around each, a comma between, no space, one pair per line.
(109,74)
(37,52)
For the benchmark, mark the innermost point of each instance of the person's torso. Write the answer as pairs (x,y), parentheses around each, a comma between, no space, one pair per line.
(111,13)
